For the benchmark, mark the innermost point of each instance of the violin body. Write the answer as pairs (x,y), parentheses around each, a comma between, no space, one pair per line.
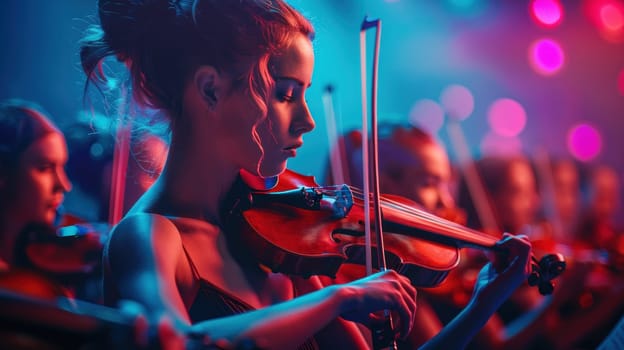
(74,250)
(298,236)
(304,242)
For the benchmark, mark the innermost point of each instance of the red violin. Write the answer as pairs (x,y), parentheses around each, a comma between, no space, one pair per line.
(300,228)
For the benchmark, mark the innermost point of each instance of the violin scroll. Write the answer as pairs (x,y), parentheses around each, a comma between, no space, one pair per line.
(545,270)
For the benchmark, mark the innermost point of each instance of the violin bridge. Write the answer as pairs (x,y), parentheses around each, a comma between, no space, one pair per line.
(337,201)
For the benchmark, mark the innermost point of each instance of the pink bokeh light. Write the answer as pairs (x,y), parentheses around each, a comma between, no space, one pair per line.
(548,13)
(457,101)
(546,56)
(507,117)
(427,115)
(584,142)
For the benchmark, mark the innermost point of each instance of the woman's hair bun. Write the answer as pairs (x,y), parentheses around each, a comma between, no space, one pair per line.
(128,25)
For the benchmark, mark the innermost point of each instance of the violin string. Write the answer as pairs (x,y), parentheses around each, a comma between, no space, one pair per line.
(390,203)
(468,235)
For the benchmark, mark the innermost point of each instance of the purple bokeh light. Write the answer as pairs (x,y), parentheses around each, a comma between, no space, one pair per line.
(457,101)
(427,115)
(546,56)
(507,117)
(584,142)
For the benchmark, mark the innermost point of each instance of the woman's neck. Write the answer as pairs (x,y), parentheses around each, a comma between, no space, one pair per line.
(194,183)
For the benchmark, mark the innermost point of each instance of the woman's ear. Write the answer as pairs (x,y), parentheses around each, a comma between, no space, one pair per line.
(209,84)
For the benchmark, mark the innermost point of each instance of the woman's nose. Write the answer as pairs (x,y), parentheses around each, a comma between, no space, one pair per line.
(303,121)
(445,200)
(63,181)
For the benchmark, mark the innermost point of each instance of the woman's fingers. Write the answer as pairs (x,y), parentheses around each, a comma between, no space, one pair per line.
(398,295)
(140,324)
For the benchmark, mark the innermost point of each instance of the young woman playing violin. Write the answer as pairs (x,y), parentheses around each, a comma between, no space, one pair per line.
(232,77)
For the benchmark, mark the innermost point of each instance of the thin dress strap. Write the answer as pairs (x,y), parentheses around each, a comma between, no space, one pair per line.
(193,267)
(213,302)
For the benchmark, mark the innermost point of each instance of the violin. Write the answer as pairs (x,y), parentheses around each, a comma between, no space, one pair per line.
(37,313)
(73,250)
(300,228)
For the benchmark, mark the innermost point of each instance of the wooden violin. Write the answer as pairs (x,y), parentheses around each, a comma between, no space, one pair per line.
(300,228)
(74,250)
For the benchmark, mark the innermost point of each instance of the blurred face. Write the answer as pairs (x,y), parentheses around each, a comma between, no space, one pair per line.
(605,193)
(427,182)
(40,182)
(517,202)
(566,186)
(279,135)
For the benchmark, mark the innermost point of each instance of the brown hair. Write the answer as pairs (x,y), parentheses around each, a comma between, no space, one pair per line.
(21,124)
(162,42)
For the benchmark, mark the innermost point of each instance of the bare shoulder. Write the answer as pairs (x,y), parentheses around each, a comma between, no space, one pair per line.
(142,237)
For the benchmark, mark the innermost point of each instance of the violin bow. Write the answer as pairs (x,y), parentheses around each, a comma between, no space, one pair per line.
(382,337)
(474,183)
(120,160)
(337,156)
(544,169)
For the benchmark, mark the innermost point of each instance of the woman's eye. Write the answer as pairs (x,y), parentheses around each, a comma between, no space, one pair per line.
(286,97)
(286,94)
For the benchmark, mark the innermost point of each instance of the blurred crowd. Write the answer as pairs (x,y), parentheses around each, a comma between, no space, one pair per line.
(564,206)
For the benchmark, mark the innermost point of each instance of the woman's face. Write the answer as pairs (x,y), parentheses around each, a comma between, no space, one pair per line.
(288,117)
(426,179)
(40,181)
(517,202)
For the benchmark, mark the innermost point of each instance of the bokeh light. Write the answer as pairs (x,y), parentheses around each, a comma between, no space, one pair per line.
(584,142)
(546,56)
(427,115)
(608,17)
(496,145)
(506,117)
(457,101)
(548,13)
(612,17)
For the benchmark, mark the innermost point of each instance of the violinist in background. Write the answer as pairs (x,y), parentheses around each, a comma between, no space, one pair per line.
(601,191)
(413,164)
(598,248)
(566,200)
(33,182)
(234,93)
(35,261)
(511,193)
(511,188)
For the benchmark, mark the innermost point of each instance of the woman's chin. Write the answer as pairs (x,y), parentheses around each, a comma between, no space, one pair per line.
(272,170)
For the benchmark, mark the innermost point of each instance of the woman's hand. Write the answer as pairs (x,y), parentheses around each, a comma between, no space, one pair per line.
(498,279)
(165,335)
(386,290)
